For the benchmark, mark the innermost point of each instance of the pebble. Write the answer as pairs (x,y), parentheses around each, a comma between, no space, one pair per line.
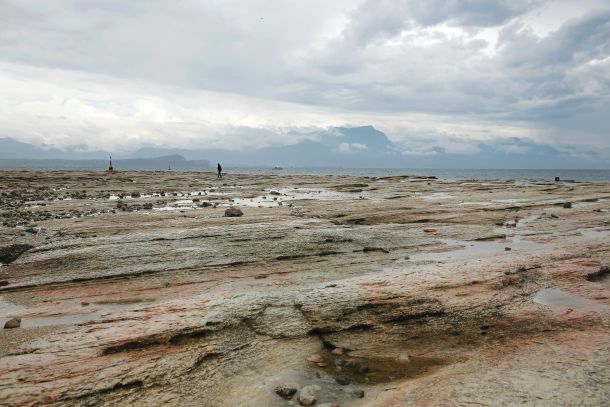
(342,380)
(233,212)
(12,323)
(286,390)
(315,359)
(307,396)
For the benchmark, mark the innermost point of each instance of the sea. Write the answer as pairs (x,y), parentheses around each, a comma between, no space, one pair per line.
(597,176)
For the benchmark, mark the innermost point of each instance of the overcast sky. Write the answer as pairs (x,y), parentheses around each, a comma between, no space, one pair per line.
(116,74)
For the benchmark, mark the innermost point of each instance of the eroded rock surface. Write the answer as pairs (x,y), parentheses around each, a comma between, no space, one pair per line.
(137,290)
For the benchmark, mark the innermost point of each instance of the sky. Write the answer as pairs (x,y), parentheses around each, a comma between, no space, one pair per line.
(434,75)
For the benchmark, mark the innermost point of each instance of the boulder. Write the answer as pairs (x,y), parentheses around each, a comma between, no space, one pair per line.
(11,253)
(233,212)
(12,323)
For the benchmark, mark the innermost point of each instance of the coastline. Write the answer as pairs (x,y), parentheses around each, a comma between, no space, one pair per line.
(446,290)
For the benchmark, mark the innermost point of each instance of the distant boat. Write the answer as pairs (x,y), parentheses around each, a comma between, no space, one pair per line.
(277,168)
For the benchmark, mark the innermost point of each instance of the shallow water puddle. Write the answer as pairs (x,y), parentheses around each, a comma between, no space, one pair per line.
(435,196)
(8,310)
(595,234)
(463,250)
(98,310)
(371,370)
(468,249)
(553,297)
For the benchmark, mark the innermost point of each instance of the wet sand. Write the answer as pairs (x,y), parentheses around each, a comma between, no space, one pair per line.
(134,288)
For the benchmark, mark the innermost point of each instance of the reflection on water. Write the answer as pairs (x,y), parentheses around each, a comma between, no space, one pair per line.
(97,310)
(554,297)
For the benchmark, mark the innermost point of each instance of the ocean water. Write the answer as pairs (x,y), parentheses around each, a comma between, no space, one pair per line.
(448,174)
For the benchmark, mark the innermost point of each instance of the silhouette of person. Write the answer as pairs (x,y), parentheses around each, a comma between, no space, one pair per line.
(219,170)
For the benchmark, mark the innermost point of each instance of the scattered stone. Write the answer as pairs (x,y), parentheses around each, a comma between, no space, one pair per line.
(84,303)
(567,205)
(329,405)
(403,358)
(308,396)
(342,380)
(147,205)
(286,390)
(359,393)
(363,369)
(315,359)
(274,193)
(233,212)
(321,373)
(375,249)
(3,283)
(508,249)
(12,323)
(11,253)
(430,230)
(352,363)
(135,194)
(337,351)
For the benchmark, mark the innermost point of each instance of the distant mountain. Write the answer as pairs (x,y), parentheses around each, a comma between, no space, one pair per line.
(10,148)
(174,162)
(347,147)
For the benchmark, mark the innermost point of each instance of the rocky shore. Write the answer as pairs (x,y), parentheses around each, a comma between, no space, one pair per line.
(177,288)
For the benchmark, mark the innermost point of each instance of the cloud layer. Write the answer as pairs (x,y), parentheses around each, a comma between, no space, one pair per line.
(440,75)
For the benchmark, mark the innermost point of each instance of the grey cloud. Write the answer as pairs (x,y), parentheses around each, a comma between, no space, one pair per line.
(368,58)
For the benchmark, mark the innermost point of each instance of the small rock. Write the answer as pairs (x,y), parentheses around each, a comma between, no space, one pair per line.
(508,249)
(337,351)
(329,405)
(233,212)
(363,369)
(567,205)
(3,283)
(375,249)
(353,363)
(315,359)
(84,303)
(286,390)
(404,358)
(12,323)
(307,396)
(321,373)
(359,393)
(11,253)
(430,230)
(342,380)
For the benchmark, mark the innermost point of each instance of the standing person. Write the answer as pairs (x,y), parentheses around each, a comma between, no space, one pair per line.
(219,170)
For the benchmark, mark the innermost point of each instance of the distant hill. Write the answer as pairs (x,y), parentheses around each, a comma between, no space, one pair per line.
(175,162)
(347,147)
